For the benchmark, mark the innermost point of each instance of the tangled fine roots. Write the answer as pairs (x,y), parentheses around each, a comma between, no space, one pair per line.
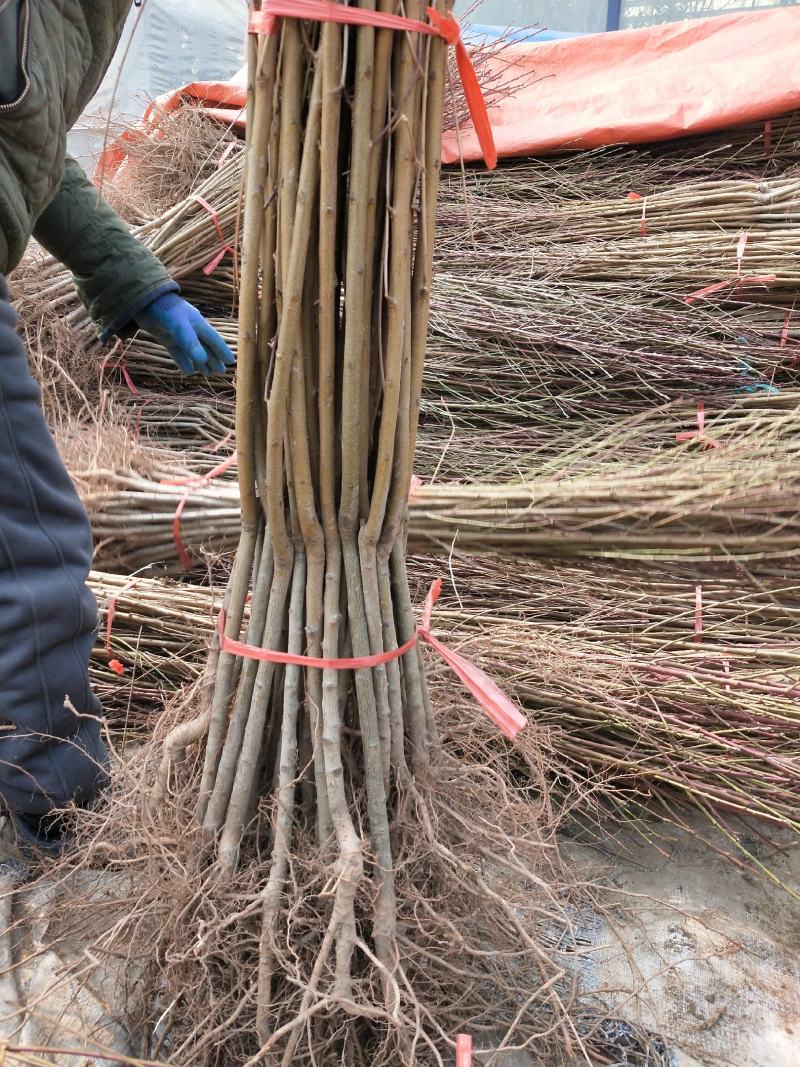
(65,360)
(165,163)
(487,917)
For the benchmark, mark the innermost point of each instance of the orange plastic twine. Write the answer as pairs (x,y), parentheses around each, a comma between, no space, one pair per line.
(444,26)
(700,433)
(198,482)
(499,707)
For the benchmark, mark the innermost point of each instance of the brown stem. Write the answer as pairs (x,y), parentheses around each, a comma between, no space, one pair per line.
(423,260)
(260,97)
(272,892)
(423,735)
(314,543)
(357,312)
(218,802)
(289,340)
(233,605)
(349,867)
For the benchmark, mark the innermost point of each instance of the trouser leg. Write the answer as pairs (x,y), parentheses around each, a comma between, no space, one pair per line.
(53,752)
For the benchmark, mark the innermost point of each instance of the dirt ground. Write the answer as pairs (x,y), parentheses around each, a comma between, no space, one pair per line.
(713,951)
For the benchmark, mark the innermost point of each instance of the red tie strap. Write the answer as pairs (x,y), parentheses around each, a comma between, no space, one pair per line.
(463,1050)
(785,331)
(741,248)
(444,26)
(643,221)
(195,482)
(735,283)
(500,709)
(139,413)
(120,364)
(700,433)
(217,446)
(225,247)
(227,152)
(785,338)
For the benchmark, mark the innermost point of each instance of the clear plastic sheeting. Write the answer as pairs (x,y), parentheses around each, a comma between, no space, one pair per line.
(576,16)
(164,44)
(635,13)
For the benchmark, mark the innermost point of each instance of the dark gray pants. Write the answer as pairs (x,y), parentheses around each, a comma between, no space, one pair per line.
(51,750)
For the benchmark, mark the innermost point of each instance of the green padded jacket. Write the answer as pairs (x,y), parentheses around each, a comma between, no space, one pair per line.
(53,55)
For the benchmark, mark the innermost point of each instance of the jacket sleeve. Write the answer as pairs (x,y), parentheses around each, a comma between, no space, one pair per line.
(116,276)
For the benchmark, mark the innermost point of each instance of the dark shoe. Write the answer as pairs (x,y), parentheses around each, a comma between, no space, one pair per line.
(40,836)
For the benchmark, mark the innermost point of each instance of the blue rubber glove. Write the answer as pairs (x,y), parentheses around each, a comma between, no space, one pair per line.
(193,343)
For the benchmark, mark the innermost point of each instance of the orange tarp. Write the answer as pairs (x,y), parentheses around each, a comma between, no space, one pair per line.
(630,86)
(635,86)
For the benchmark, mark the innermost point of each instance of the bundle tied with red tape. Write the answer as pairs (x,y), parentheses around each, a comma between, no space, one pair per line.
(320,731)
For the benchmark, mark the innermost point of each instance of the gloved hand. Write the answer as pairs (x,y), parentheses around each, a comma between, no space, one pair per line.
(193,343)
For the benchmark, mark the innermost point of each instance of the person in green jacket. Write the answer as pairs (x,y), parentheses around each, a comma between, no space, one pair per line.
(52,59)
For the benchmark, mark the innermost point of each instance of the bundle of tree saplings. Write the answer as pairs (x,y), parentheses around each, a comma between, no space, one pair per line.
(164,160)
(755,150)
(557,293)
(158,630)
(198,429)
(501,352)
(713,207)
(677,483)
(682,264)
(152,641)
(331,833)
(667,685)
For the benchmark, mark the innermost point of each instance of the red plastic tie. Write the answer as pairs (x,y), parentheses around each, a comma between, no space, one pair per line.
(700,433)
(737,283)
(741,248)
(184,557)
(698,612)
(122,365)
(192,483)
(643,223)
(112,611)
(219,445)
(440,25)
(197,481)
(463,1050)
(265,655)
(139,412)
(500,709)
(226,153)
(785,330)
(226,248)
(415,484)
